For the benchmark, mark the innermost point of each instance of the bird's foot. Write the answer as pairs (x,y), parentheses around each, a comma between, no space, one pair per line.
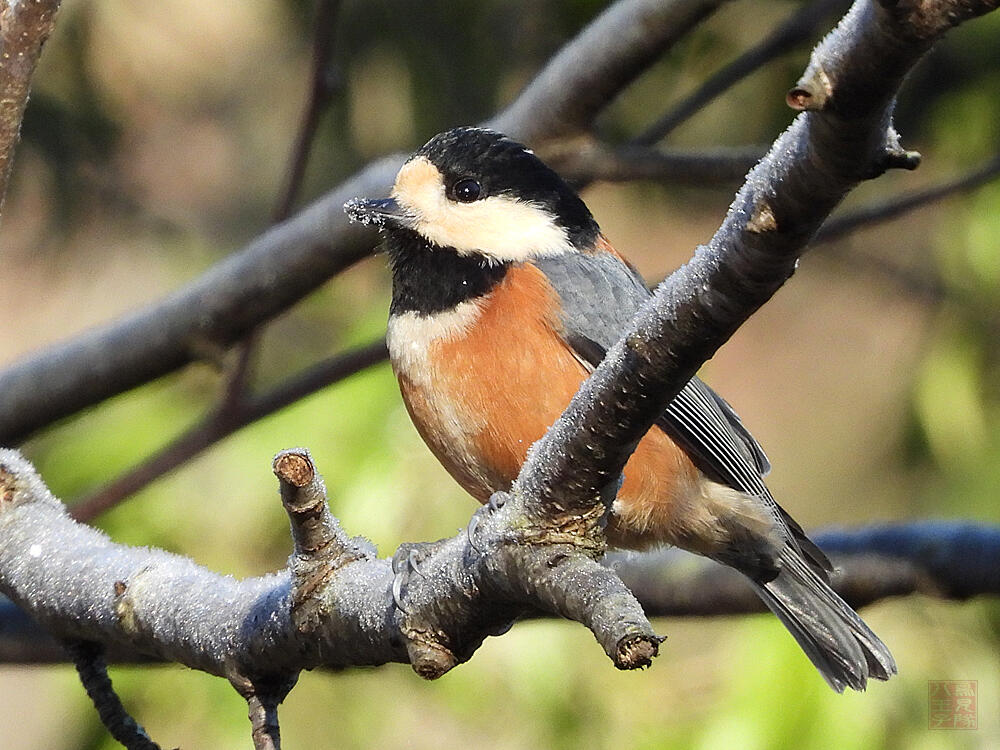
(496,502)
(406,562)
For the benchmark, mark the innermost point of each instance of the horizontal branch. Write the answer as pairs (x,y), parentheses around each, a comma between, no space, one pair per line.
(336,604)
(584,162)
(939,559)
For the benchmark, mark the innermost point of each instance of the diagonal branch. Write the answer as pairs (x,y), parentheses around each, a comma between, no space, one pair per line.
(226,420)
(845,136)
(24,27)
(801,26)
(840,226)
(584,77)
(584,162)
(236,407)
(293,258)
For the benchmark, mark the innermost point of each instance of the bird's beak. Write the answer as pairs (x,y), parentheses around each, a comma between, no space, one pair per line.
(380,213)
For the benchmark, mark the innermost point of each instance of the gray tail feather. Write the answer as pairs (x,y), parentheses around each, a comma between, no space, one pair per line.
(845,650)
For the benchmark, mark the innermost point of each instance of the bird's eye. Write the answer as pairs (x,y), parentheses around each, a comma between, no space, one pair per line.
(467,190)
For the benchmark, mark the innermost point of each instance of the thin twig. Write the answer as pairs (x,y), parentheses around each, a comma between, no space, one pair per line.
(877,213)
(325,83)
(224,422)
(925,286)
(800,27)
(265,730)
(88,657)
(231,412)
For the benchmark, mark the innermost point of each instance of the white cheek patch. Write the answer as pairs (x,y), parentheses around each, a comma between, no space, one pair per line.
(499,226)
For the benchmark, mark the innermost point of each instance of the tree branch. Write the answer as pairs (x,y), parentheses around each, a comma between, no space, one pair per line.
(845,136)
(335,604)
(236,406)
(801,26)
(584,161)
(950,560)
(839,226)
(24,27)
(943,559)
(324,83)
(224,421)
(586,75)
(93,671)
(293,258)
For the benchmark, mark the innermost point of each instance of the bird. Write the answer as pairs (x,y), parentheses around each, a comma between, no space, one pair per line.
(505,297)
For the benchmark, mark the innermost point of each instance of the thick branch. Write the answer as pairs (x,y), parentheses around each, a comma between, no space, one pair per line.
(843,138)
(950,560)
(24,27)
(334,606)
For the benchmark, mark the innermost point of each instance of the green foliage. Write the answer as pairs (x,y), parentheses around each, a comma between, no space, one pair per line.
(182,114)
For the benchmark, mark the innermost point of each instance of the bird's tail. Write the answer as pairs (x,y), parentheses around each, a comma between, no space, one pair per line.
(845,650)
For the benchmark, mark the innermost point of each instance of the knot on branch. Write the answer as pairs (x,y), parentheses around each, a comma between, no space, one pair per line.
(20,483)
(454,593)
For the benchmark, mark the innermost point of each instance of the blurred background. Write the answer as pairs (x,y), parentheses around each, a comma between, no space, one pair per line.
(156,142)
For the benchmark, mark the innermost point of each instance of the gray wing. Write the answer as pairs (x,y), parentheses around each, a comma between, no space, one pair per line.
(599,295)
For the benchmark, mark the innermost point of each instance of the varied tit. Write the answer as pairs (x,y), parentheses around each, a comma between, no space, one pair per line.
(505,296)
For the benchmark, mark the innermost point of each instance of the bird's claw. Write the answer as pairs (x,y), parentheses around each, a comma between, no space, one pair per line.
(397,592)
(496,502)
(407,560)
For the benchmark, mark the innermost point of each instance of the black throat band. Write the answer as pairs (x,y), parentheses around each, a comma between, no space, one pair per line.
(427,279)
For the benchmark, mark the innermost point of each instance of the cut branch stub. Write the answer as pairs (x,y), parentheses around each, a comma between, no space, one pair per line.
(812,92)
(321,547)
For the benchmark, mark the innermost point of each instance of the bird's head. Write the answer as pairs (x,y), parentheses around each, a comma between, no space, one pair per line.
(482,194)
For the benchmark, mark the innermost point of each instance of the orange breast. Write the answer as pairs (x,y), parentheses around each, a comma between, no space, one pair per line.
(494,389)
